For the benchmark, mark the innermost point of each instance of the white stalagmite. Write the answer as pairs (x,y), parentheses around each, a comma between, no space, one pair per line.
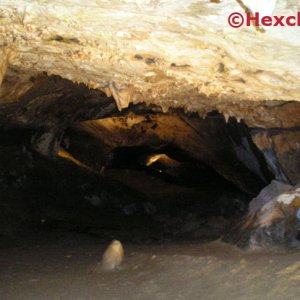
(113,256)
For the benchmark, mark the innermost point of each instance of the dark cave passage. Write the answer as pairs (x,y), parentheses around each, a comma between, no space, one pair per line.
(151,193)
(136,175)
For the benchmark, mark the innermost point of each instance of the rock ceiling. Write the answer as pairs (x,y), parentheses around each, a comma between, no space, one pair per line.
(169,53)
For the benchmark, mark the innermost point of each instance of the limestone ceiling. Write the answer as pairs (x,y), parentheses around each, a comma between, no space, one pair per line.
(170,53)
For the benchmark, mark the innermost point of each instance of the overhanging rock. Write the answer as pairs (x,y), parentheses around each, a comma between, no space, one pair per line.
(169,53)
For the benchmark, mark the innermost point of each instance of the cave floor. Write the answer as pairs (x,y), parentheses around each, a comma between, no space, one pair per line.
(60,265)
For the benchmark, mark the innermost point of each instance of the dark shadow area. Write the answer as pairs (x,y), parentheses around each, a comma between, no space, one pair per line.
(173,199)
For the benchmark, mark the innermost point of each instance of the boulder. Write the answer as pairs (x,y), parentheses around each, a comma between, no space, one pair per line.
(272,222)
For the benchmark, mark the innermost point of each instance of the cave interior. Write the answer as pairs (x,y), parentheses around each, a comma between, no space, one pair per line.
(71,161)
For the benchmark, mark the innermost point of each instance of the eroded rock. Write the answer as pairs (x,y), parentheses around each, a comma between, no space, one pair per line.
(281,149)
(272,222)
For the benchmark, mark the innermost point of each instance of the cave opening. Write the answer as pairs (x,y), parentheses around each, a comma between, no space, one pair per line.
(140,175)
